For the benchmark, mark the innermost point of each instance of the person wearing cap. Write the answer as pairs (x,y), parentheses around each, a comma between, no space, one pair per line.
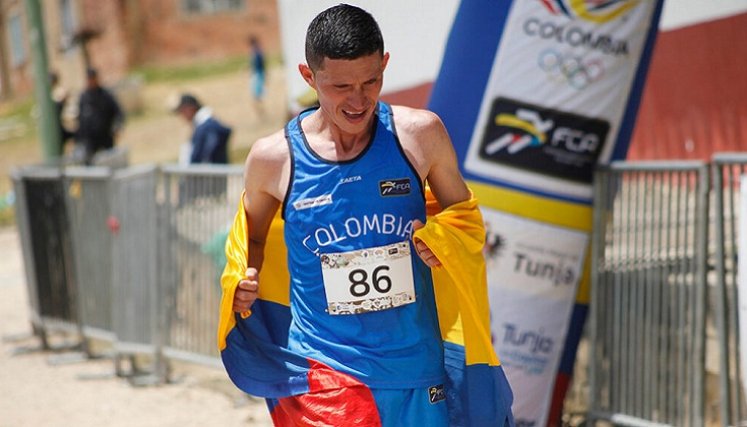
(99,118)
(209,141)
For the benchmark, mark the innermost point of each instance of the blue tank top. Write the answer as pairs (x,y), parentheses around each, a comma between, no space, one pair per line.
(361,299)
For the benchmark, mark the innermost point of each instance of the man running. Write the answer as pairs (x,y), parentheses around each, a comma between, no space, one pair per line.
(349,178)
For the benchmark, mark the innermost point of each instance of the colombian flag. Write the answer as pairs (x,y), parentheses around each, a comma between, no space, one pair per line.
(299,391)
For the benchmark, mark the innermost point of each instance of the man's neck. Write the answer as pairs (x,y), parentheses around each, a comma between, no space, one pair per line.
(333,143)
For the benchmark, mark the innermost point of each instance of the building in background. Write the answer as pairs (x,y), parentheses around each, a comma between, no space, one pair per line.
(116,35)
(695,100)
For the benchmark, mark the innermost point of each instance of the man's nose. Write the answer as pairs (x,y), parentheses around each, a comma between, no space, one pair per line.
(357,97)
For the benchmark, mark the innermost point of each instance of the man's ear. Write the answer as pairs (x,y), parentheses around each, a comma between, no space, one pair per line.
(307,74)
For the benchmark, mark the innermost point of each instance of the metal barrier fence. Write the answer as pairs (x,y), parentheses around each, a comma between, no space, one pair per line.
(133,221)
(147,247)
(647,321)
(135,256)
(86,193)
(47,251)
(199,204)
(728,169)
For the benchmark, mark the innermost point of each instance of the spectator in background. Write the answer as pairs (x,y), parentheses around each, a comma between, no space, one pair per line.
(59,97)
(209,142)
(99,118)
(257,67)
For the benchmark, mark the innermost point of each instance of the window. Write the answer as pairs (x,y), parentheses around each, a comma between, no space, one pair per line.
(67,24)
(17,47)
(204,7)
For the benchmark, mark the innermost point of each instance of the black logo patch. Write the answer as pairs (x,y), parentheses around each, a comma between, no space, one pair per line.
(436,393)
(394,187)
(537,139)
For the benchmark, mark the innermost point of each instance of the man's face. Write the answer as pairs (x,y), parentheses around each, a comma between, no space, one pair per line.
(187,112)
(348,89)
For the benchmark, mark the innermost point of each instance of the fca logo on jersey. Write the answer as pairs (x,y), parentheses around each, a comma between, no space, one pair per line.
(436,393)
(394,187)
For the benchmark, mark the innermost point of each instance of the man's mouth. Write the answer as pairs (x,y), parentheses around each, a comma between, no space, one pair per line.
(353,115)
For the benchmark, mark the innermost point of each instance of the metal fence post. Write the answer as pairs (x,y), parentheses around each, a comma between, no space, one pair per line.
(652,244)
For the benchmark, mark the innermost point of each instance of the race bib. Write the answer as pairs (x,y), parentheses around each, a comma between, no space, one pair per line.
(367,280)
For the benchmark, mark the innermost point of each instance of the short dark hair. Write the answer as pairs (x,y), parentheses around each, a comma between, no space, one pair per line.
(187,99)
(342,32)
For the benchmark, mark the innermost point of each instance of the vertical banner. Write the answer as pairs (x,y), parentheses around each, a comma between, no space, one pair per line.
(535,94)
(533,272)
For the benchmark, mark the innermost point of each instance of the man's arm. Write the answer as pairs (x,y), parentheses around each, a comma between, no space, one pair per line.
(265,178)
(429,148)
(444,177)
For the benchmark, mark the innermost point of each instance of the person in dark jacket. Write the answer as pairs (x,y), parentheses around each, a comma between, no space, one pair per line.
(209,142)
(99,118)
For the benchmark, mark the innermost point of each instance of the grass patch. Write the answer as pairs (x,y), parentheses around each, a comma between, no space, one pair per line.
(198,70)
(20,107)
(7,216)
(16,121)
(159,74)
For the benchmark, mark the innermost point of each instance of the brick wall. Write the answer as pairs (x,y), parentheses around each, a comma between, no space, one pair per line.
(16,76)
(150,32)
(109,52)
(172,36)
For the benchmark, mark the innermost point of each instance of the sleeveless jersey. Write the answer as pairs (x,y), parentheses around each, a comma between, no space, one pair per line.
(361,299)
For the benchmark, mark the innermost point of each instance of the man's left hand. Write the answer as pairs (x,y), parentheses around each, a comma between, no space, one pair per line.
(422,249)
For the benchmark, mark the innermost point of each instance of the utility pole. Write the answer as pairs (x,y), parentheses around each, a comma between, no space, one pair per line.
(49,132)
(5,89)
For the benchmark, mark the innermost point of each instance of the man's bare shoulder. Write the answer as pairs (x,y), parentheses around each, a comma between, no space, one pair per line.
(271,149)
(416,123)
(266,169)
(418,126)
(415,119)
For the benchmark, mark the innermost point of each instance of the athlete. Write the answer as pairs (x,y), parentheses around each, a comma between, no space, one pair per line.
(349,178)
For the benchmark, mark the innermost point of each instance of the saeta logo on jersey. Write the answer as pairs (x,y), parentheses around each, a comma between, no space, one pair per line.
(543,140)
(394,187)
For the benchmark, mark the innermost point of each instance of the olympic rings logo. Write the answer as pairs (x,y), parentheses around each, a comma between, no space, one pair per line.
(574,70)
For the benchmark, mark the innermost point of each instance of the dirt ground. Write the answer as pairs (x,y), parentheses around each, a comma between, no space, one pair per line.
(37,392)
(155,135)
